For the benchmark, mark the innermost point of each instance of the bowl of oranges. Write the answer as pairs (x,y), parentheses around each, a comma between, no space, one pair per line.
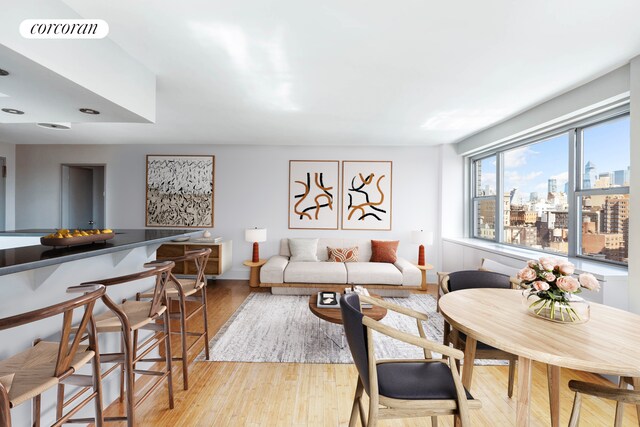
(66,237)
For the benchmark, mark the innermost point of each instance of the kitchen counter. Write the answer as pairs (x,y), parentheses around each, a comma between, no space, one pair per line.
(13,260)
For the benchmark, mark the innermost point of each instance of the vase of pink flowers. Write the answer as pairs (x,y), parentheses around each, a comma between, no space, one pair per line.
(551,289)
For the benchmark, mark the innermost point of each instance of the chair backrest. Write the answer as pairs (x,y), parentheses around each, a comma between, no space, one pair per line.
(472,279)
(66,350)
(161,271)
(356,334)
(199,258)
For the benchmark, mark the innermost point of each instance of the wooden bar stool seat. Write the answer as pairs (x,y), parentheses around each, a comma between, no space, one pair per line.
(183,290)
(137,313)
(28,374)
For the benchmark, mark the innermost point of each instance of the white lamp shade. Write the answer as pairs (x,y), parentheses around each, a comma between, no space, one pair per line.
(421,237)
(255,235)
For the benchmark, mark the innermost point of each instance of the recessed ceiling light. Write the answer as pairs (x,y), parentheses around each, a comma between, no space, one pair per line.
(12,111)
(59,126)
(89,111)
(3,72)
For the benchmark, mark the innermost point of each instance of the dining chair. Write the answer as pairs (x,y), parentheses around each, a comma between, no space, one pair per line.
(25,376)
(621,395)
(486,264)
(183,291)
(128,319)
(402,388)
(472,279)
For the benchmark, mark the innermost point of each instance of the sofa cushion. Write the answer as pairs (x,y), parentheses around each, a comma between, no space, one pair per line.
(373,273)
(364,247)
(273,270)
(384,251)
(316,272)
(343,254)
(303,249)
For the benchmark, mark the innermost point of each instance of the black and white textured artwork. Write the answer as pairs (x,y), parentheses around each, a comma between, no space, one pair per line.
(180,191)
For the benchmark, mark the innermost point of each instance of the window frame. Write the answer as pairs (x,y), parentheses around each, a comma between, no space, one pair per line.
(477,199)
(575,182)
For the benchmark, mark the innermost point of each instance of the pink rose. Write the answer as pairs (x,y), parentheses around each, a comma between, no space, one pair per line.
(531,263)
(547,263)
(566,268)
(567,284)
(549,277)
(539,285)
(527,274)
(588,281)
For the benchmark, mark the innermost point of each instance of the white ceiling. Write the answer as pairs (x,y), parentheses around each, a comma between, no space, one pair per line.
(355,72)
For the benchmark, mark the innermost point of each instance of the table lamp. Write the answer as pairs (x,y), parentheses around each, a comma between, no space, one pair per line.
(255,235)
(421,237)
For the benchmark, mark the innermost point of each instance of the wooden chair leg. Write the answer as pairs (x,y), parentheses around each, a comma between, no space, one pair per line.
(167,345)
(512,375)
(36,410)
(372,419)
(356,405)
(203,292)
(5,408)
(97,388)
(122,371)
(183,336)
(60,401)
(434,421)
(130,378)
(575,412)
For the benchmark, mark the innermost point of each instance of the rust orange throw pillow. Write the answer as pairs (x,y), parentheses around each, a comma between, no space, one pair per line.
(384,251)
(343,254)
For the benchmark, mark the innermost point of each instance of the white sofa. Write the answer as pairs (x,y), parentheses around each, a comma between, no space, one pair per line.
(295,278)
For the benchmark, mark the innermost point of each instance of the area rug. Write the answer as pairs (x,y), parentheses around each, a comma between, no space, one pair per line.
(281,328)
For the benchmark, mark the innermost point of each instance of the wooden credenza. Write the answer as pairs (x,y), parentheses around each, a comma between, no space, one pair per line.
(219,260)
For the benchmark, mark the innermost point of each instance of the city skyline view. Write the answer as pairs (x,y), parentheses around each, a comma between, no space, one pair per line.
(529,168)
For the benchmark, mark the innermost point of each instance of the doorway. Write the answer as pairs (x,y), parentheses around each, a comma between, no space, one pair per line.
(83,196)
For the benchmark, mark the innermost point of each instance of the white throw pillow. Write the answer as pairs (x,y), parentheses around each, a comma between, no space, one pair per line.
(303,249)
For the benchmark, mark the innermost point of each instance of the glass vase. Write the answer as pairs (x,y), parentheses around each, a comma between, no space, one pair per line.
(571,309)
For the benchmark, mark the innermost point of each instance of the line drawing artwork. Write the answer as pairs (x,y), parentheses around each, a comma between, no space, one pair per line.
(317,205)
(360,208)
(180,191)
(366,189)
(313,194)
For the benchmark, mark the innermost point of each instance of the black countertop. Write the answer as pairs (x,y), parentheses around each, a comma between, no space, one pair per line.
(14,260)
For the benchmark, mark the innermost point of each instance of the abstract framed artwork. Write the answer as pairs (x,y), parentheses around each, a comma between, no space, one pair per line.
(180,191)
(313,194)
(366,195)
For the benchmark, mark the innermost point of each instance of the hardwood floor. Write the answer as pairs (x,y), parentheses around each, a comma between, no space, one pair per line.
(289,394)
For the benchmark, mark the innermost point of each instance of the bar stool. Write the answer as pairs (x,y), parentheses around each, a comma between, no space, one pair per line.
(183,290)
(27,375)
(128,319)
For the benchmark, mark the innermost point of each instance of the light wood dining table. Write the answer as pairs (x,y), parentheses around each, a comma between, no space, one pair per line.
(609,343)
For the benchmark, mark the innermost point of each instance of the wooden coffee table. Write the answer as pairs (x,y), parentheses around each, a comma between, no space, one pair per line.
(334,315)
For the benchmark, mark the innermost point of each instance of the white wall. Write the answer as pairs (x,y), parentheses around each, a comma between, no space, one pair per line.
(251,189)
(8,151)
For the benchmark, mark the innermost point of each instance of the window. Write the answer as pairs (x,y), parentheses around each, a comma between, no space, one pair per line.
(484,198)
(566,193)
(604,192)
(535,194)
